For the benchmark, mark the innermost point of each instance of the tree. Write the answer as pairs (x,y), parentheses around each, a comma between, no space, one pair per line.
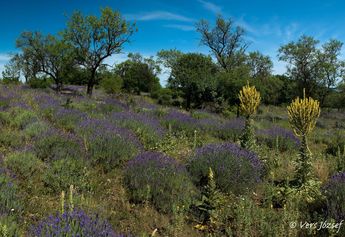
(193,74)
(331,68)
(96,39)
(315,69)
(225,41)
(302,60)
(169,57)
(11,73)
(139,74)
(48,54)
(260,65)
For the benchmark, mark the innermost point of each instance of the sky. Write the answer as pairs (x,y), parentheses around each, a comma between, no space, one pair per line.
(171,24)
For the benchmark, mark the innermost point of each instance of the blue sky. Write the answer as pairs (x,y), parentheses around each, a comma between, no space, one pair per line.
(171,24)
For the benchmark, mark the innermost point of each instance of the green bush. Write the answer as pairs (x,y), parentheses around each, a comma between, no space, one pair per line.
(111,85)
(10,138)
(65,172)
(38,83)
(9,199)
(158,179)
(19,118)
(24,164)
(9,227)
(35,129)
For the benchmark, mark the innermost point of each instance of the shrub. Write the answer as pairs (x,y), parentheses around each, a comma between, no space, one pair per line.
(10,138)
(39,83)
(336,144)
(52,145)
(334,191)
(35,129)
(106,144)
(9,227)
(158,179)
(236,170)
(65,172)
(111,85)
(279,138)
(9,198)
(74,223)
(20,118)
(146,127)
(24,164)
(67,119)
(231,130)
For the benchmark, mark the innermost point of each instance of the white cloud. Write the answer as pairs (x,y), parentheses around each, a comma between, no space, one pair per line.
(181,27)
(158,15)
(211,7)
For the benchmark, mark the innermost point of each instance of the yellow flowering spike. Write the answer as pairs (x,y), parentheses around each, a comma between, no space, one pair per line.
(303,114)
(249,100)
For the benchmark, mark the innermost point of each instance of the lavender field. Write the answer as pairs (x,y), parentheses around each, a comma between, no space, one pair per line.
(122,165)
(172,118)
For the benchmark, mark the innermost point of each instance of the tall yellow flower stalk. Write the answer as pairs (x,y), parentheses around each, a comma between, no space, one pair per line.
(303,114)
(249,102)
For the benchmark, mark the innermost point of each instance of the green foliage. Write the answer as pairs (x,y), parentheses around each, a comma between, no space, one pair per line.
(107,33)
(10,202)
(51,55)
(10,138)
(164,96)
(193,74)
(9,227)
(139,74)
(65,172)
(33,130)
(24,164)
(17,117)
(39,83)
(209,206)
(111,84)
(315,69)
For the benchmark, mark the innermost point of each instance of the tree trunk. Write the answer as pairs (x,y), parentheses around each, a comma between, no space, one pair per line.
(188,101)
(58,84)
(91,82)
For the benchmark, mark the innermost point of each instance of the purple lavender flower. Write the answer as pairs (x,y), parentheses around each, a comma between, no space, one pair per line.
(75,223)
(286,138)
(236,170)
(134,120)
(98,128)
(159,179)
(334,190)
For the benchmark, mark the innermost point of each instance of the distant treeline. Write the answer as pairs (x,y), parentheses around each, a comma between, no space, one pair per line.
(77,56)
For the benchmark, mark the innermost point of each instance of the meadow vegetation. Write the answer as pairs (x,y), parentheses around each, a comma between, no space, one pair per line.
(225,149)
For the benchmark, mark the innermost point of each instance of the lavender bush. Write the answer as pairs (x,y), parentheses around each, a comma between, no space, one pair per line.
(65,172)
(231,130)
(334,191)
(158,179)
(106,144)
(10,203)
(75,223)
(145,126)
(278,138)
(53,145)
(236,170)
